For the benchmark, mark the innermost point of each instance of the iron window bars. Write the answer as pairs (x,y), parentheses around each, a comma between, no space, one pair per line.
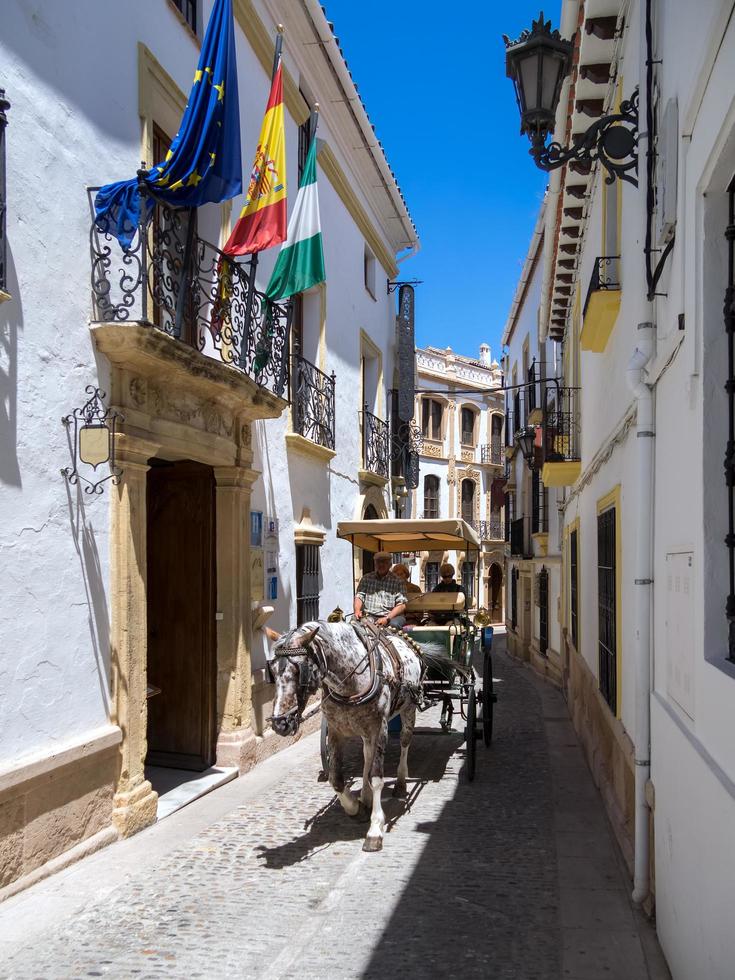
(312,397)
(4,106)
(605,276)
(307,583)
(184,286)
(539,509)
(543,601)
(729,312)
(606,600)
(560,424)
(188,10)
(406,443)
(573,587)
(375,444)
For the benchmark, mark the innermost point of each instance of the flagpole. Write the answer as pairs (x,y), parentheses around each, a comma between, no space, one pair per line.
(254,257)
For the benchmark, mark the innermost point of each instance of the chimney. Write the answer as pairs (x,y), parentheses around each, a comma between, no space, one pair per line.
(485,354)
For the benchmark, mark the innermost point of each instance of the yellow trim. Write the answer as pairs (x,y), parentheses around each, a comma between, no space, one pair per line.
(4,296)
(612,499)
(337,178)
(599,319)
(566,580)
(160,100)
(368,346)
(563,474)
(542,540)
(535,416)
(262,41)
(303,445)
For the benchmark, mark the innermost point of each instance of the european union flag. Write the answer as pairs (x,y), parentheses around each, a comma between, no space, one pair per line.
(204,162)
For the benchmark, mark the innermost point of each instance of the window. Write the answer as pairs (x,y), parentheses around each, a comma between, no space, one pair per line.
(513,598)
(468,501)
(543,602)
(431,576)
(188,10)
(431,497)
(307,583)
(531,389)
(468,582)
(369,271)
(573,586)
(304,137)
(539,512)
(606,599)
(431,419)
(4,106)
(468,427)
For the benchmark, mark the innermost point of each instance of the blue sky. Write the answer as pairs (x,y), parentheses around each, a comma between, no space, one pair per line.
(435,89)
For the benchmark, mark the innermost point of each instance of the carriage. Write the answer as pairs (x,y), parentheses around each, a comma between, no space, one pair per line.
(457,633)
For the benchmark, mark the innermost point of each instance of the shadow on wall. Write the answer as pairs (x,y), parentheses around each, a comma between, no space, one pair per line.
(98,618)
(11,322)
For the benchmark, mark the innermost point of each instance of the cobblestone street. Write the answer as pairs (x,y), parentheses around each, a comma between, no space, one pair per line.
(512,876)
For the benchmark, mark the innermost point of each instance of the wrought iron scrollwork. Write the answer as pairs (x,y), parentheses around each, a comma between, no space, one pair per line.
(98,423)
(613,140)
(181,284)
(376,439)
(313,402)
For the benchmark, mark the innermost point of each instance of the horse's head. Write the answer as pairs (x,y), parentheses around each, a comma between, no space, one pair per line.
(296,675)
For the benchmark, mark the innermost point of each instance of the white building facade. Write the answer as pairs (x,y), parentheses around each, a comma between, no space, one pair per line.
(460,413)
(633,284)
(127,627)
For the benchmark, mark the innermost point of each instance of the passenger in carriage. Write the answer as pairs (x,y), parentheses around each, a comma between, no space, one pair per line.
(402,572)
(447,583)
(381,596)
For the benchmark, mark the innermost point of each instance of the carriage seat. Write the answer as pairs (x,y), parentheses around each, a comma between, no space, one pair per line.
(443,602)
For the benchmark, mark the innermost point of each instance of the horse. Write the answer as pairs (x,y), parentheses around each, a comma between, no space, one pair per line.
(367,676)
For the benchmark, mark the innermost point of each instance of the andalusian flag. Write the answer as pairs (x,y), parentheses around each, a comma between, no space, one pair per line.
(262,222)
(300,263)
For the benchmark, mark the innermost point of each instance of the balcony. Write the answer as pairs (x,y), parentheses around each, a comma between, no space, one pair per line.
(181,285)
(492,530)
(560,438)
(375,449)
(312,397)
(492,453)
(602,305)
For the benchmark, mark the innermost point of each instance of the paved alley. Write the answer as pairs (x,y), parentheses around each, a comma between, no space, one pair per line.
(512,876)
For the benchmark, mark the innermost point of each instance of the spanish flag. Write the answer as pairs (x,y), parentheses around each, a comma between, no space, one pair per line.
(262,222)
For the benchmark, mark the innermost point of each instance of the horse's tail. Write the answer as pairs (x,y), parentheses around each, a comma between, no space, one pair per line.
(434,658)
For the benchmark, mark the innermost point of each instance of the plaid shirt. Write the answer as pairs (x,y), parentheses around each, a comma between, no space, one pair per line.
(380,595)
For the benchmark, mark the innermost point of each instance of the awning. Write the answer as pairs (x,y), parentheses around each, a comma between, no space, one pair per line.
(402,535)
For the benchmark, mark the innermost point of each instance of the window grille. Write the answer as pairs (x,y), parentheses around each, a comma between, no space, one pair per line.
(4,106)
(729,311)
(531,388)
(513,598)
(543,601)
(188,9)
(431,575)
(304,139)
(573,586)
(468,582)
(468,501)
(431,497)
(607,606)
(539,510)
(307,583)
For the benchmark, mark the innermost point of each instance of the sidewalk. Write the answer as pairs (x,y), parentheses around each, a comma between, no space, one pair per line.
(513,876)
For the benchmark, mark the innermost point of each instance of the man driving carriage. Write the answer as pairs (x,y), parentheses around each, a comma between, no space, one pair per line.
(381,595)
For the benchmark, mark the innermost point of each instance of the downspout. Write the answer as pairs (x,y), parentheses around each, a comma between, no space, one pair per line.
(643,493)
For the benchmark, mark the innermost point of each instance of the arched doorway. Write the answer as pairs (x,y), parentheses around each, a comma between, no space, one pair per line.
(495,583)
(368,565)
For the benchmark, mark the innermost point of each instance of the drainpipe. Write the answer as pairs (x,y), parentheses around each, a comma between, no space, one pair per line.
(643,598)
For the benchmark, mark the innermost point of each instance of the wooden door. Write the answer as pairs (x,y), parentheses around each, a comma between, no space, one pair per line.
(181,610)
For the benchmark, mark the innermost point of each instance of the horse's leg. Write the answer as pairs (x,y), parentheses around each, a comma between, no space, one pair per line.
(336,773)
(366,793)
(408,720)
(374,839)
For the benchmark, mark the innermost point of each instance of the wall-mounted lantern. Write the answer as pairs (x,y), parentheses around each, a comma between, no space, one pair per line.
(92,441)
(526,439)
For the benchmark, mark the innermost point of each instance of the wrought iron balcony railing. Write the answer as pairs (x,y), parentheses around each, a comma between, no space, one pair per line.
(492,452)
(312,398)
(492,530)
(516,414)
(560,425)
(406,443)
(176,282)
(605,275)
(375,445)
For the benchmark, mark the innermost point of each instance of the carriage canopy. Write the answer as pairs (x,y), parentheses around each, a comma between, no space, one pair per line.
(410,535)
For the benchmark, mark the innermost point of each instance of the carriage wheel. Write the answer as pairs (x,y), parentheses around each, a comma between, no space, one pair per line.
(324,749)
(470,734)
(488,699)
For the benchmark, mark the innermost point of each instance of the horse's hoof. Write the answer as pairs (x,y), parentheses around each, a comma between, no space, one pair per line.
(372,844)
(400,791)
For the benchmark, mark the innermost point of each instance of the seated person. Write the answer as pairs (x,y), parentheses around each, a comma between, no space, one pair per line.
(447,583)
(381,596)
(402,572)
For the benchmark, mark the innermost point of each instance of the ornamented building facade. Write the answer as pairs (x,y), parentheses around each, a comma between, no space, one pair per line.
(127,630)
(461,417)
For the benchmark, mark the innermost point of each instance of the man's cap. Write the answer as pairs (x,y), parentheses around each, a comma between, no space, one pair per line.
(383,556)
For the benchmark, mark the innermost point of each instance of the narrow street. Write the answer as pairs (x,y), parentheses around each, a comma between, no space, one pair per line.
(512,876)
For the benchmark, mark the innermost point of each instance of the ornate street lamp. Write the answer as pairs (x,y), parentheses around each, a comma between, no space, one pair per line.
(526,439)
(538,63)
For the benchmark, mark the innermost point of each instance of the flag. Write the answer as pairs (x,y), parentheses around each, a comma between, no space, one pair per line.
(204,163)
(262,222)
(300,263)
